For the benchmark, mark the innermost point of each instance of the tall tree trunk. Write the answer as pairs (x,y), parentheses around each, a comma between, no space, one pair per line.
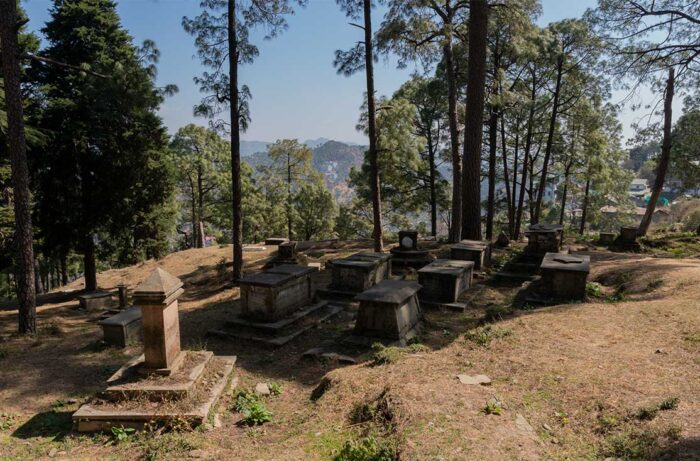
(506,174)
(493,139)
(17,145)
(550,141)
(584,207)
(372,132)
(433,192)
(289,198)
(200,209)
(473,133)
(38,283)
(64,268)
(564,193)
(89,264)
(195,227)
(662,167)
(237,233)
(455,227)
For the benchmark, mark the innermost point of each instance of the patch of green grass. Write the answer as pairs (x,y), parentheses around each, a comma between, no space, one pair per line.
(692,338)
(492,407)
(647,413)
(484,335)
(639,444)
(367,449)
(7,421)
(382,354)
(496,313)
(121,434)
(594,290)
(275,388)
(607,423)
(252,408)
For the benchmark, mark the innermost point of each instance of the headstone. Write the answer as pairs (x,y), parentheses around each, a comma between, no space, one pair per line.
(389,310)
(157,296)
(478,251)
(96,300)
(444,280)
(123,296)
(408,240)
(564,276)
(544,238)
(407,254)
(359,271)
(627,240)
(123,328)
(287,250)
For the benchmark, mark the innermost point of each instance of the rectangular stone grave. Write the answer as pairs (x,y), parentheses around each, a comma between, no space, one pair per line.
(275,240)
(123,328)
(443,281)
(97,300)
(564,276)
(389,310)
(606,238)
(383,261)
(270,296)
(478,251)
(287,250)
(544,238)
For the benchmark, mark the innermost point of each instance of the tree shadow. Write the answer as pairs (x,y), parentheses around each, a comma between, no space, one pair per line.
(54,424)
(684,450)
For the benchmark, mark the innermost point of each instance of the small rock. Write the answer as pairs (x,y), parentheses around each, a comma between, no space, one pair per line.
(474,380)
(659,351)
(339,357)
(554,441)
(522,424)
(72,401)
(313,353)
(262,389)
(53,452)
(546,427)
(217,420)
(196,454)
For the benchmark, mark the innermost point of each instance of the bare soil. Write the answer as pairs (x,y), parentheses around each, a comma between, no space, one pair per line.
(573,381)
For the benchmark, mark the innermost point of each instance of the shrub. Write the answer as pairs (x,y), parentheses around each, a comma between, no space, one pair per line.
(252,408)
(121,434)
(482,336)
(382,355)
(367,449)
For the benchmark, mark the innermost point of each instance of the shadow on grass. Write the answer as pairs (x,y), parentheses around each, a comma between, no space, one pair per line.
(54,424)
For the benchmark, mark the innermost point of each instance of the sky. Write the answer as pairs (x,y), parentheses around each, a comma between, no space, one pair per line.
(296,91)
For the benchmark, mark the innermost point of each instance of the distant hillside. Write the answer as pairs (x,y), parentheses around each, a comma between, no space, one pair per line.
(333,159)
(252,147)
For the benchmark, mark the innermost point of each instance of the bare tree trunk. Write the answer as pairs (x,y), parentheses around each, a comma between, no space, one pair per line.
(490,208)
(584,208)
(662,167)
(550,141)
(237,233)
(200,209)
(17,145)
(433,192)
(64,268)
(506,175)
(372,132)
(564,193)
(289,198)
(38,283)
(456,222)
(476,80)
(89,264)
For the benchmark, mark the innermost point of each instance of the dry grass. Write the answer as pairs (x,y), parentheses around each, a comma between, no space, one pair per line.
(575,373)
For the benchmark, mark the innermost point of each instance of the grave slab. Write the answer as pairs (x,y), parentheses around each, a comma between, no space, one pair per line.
(275,240)
(272,295)
(544,238)
(606,238)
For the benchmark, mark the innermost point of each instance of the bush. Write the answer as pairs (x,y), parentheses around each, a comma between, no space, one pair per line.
(252,408)
(367,449)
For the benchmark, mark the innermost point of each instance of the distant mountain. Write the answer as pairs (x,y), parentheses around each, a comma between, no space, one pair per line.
(253,147)
(333,159)
(314,143)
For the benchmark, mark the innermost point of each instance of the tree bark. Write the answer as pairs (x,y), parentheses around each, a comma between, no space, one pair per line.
(584,208)
(564,193)
(200,208)
(17,146)
(64,268)
(433,192)
(89,264)
(550,141)
(289,197)
(491,206)
(455,227)
(662,168)
(38,283)
(473,133)
(237,233)
(372,132)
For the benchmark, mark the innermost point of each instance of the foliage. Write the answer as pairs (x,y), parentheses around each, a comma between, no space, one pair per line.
(484,335)
(252,407)
(382,355)
(121,434)
(367,449)
(493,407)
(315,210)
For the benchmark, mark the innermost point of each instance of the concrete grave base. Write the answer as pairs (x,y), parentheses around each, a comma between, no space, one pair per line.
(96,300)
(388,310)
(102,415)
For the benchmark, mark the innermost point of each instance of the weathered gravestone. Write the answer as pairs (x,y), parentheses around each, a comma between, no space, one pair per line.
(357,273)
(123,328)
(96,300)
(407,254)
(443,281)
(123,292)
(503,240)
(276,293)
(275,240)
(544,238)
(564,276)
(478,251)
(182,386)
(606,238)
(389,310)
(627,240)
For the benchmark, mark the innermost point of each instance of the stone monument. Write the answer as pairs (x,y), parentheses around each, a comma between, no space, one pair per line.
(544,238)
(96,300)
(564,276)
(408,254)
(356,273)
(627,240)
(478,251)
(389,310)
(163,375)
(443,281)
(606,238)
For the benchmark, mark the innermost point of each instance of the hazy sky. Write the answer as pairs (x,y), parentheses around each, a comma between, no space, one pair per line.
(296,92)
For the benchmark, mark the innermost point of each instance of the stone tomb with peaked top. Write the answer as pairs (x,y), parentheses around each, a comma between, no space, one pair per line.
(443,282)
(408,254)
(478,251)
(165,384)
(277,306)
(389,311)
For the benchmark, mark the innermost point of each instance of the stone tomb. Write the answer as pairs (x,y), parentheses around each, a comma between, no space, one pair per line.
(277,306)
(275,240)
(96,300)
(123,291)
(478,251)
(123,328)
(443,281)
(389,310)
(182,386)
(356,273)
(407,254)
(286,254)
(627,240)
(544,238)
(606,238)
(564,276)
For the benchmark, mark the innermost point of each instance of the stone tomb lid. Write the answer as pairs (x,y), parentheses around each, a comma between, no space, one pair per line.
(292,269)
(471,245)
(560,261)
(366,264)
(266,279)
(390,292)
(545,228)
(95,294)
(369,256)
(123,318)
(446,266)
(159,286)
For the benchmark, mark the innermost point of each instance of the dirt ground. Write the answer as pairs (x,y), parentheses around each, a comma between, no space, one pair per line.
(615,377)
